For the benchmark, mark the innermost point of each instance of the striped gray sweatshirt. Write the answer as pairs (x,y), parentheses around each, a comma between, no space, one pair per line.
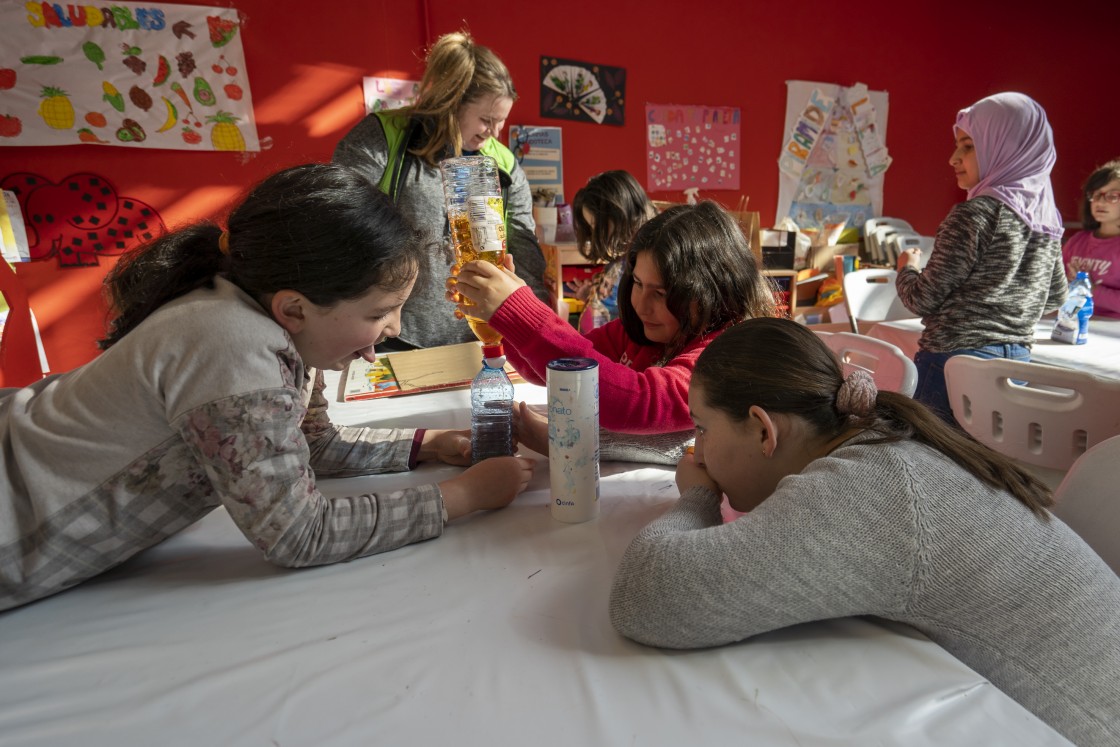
(989,280)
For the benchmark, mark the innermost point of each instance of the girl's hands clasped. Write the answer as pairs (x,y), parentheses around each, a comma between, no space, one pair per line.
(691,473)
(485,285)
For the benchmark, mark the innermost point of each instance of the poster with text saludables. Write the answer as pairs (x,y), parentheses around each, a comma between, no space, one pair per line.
(132,75)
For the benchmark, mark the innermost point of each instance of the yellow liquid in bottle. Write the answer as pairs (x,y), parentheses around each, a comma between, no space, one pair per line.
(463,245)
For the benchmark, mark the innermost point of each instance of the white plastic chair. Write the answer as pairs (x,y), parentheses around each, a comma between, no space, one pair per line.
(870,240)
(900,242)
(888,366)
(870,296)
(1087,500)
(1046,423)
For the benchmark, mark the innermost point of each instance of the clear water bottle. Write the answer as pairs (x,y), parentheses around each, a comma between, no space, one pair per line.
(1072,325)
(491,407)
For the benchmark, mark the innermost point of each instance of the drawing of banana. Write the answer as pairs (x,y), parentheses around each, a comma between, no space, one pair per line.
(172,116)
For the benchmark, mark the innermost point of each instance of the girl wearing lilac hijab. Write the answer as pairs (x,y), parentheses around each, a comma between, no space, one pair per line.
(996,263)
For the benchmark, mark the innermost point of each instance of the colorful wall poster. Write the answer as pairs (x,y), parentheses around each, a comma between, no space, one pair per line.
(136,75)
(388,93)
(583,91)
(692,147)
(832,164)
(540,153)
(79,219)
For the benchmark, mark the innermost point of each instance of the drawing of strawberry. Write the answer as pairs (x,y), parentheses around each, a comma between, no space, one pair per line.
(191,137)
(233,91)
(7,78)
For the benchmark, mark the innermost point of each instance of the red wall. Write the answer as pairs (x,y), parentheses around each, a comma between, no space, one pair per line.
(306,61)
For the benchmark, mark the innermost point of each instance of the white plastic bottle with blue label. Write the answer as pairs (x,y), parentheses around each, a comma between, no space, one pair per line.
(573,438)
(491,407)
(1072,325)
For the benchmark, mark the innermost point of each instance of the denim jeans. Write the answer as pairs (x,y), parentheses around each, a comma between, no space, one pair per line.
(931,389)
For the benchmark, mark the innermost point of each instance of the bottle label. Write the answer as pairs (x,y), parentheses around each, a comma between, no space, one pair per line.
(488,230)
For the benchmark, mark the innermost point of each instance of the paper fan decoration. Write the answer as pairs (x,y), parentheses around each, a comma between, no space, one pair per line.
(581,91)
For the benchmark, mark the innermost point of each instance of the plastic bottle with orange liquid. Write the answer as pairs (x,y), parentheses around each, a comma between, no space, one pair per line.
(475,210)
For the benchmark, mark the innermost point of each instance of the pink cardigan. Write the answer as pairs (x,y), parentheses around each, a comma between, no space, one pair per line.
(635,395)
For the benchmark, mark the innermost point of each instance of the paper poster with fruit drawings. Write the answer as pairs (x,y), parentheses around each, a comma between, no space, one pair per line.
(692,146)
(583,91)
(131,74)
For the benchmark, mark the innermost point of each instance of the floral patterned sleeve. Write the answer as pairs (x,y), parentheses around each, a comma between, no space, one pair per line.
(257,460)
(344,451)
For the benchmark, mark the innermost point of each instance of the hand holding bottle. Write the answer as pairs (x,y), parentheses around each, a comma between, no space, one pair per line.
(490,484)
(485,285)
(532,428)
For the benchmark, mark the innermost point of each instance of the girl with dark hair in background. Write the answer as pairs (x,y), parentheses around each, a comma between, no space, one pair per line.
(862,502)
(1096,249)
(607,212)
(209,392)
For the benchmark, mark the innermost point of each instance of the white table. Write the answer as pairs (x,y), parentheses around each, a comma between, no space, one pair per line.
(494,634)
(1100,355)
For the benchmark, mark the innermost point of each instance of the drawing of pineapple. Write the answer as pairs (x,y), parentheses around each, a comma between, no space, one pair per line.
(56,109)
(225,135)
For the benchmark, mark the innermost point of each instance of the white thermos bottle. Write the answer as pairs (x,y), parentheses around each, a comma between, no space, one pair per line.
(573,438)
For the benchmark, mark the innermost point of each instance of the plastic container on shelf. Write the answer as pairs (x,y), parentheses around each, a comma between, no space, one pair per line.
(491,407)
(475,210)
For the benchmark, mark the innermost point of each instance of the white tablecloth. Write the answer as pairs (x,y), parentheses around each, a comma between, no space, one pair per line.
(494,634)
(1100,355)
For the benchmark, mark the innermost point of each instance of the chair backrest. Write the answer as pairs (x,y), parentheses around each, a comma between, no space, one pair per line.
(1087,500)
(870,295)
(871,240)
(1040,415)
(903,241)
(888,366)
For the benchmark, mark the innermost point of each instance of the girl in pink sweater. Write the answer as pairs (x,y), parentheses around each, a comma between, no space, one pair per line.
(689,274)
(1096,250)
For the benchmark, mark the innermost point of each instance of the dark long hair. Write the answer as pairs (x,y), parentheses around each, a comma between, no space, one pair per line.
(620,207)
(711,275)
(323,230)
(782,366)
(1096,180)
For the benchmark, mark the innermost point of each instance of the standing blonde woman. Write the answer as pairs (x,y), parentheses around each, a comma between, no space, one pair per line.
(465,98)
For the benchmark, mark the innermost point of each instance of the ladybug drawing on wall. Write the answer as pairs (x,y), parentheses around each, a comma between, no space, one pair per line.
(80,218)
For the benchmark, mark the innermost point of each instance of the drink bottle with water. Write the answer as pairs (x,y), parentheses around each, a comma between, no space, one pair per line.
(1072,325)
(491,407)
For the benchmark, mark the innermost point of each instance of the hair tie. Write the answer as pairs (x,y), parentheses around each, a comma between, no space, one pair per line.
(857,394)
(223,243)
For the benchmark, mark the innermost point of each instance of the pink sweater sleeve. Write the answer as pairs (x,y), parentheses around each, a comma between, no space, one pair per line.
(651,400)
